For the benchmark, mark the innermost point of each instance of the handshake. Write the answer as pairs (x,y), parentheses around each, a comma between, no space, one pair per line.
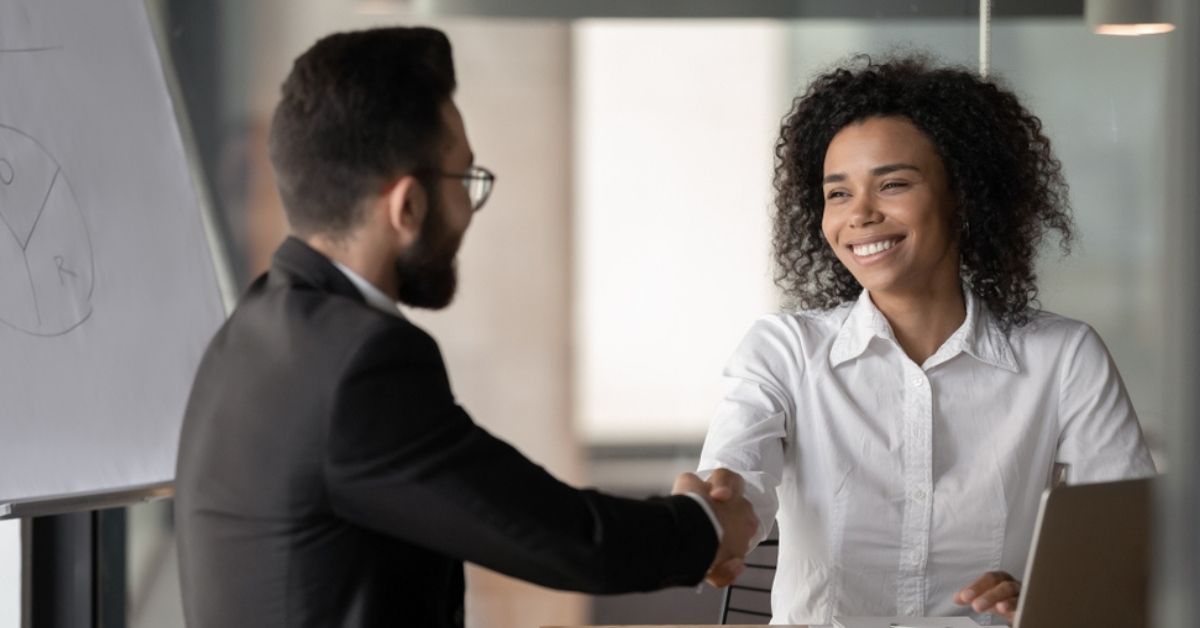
(723,492)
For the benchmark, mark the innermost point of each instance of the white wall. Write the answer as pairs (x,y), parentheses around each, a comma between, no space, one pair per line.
(674,127)
(10,574)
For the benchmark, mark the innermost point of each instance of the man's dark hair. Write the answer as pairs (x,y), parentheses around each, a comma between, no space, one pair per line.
(357,110)
(1007,184)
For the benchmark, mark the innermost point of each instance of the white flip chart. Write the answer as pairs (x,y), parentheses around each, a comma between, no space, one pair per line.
(107,288)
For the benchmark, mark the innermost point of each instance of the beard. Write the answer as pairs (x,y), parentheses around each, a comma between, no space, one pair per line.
(428,270)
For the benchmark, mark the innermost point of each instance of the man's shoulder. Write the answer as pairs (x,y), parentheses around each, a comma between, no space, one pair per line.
(300,304)
(277,322)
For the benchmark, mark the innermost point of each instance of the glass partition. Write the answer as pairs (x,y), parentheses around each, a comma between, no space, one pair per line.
(625,249)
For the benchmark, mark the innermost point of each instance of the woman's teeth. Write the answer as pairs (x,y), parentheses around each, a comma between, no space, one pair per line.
(863,250)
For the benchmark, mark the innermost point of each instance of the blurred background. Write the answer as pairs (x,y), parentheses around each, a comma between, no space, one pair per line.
(625,248)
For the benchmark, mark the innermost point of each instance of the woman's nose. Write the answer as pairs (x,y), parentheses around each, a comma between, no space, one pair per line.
(864,212)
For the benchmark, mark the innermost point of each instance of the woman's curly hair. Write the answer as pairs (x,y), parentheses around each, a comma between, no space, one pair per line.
(1000,168)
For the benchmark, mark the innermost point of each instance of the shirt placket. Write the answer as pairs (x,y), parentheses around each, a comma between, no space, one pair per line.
(918,492)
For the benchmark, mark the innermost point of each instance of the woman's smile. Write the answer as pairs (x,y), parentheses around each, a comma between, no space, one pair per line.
(889,213)
(874,250)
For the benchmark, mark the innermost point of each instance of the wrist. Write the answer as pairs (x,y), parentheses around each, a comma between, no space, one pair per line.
(712,516)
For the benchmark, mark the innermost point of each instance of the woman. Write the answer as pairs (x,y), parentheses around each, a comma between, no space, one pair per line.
(902,425)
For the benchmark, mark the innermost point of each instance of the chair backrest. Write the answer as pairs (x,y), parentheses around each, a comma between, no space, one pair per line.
(748,599)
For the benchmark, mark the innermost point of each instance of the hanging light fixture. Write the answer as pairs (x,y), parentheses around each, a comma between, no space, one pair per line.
(1127,17)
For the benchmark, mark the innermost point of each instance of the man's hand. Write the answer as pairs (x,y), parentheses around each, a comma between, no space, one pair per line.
(994,592)
(723,492)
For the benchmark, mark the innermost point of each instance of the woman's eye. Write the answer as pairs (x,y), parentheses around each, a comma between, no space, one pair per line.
(835,194)
(891,185)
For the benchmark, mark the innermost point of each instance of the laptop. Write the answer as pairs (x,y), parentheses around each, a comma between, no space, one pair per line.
(1089,562)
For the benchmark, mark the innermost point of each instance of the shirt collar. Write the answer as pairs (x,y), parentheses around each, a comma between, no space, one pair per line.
(863,323)
(979,336)
(374,296)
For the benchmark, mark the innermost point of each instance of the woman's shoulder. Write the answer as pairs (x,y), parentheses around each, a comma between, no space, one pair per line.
(812,324)
(784,342)
(1042,327)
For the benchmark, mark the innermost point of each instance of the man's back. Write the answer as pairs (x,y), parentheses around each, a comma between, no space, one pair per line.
(327,478)
(256,527)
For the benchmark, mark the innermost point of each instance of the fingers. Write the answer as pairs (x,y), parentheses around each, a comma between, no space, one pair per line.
(725,484)
(722,485)
(689,483)
(1008,609)
(983,583)
(739,525)
(1005,592)
(723,574)
(994,592)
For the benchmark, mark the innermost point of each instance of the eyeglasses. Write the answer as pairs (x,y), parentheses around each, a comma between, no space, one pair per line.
(478,181)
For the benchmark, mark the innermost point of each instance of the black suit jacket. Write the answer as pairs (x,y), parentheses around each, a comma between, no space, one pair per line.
(327,477)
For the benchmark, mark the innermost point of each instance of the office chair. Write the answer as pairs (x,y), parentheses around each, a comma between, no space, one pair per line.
(748,599)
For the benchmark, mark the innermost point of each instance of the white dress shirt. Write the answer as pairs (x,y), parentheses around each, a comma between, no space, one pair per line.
(374,296)
(896,484)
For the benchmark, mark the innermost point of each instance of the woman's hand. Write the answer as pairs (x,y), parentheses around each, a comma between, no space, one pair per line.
(994,592)
(723,492)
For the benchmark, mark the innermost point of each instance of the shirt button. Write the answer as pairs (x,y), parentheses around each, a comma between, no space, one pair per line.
(918,382)
(919,494)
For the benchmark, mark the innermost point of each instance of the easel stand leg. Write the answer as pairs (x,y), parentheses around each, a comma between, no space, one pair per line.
(78,570)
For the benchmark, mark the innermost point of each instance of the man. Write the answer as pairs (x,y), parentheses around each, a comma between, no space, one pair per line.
(326,475)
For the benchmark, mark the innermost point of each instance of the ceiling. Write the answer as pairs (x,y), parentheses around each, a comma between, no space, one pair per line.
(781,9)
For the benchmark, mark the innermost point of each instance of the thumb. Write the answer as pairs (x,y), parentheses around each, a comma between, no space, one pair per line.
(726,485)
(724,573)
(689,483)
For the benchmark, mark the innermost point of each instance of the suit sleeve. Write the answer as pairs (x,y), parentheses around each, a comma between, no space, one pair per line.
(405,460)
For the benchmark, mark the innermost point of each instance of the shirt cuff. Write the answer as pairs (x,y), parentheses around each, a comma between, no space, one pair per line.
(711,515)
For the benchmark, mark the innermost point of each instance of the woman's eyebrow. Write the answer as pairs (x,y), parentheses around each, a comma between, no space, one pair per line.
(889,168)
(837,177)
(834,178)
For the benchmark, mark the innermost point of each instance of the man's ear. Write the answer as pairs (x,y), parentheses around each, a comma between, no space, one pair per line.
(406,206)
